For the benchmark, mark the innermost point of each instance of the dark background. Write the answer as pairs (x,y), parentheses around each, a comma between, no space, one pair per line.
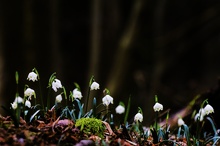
(135,48)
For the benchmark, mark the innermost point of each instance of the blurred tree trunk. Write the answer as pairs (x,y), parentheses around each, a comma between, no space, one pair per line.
(120,63)
(2,71)
(28,47)
(95,38)
(56,56)
(95,44)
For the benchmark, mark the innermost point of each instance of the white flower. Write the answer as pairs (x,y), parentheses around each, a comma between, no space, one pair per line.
(200,115)
(28,103)
(94,86)
(56,84)
(19,99)
(29,92)
(138,117)
(77,94)
(180,122)
(58,98)
(157,107)
(120,109)
(208,109)
(107,99)
(32,76)
(14,105)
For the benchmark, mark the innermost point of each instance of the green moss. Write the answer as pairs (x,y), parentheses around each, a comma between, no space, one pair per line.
(91,126)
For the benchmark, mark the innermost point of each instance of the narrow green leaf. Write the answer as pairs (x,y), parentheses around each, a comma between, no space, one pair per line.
(31,118)
(94,107)
(127,110)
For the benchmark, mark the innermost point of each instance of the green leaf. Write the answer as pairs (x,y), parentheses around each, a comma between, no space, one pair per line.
(127,110)
(187,134)
(80,108)
(31,118)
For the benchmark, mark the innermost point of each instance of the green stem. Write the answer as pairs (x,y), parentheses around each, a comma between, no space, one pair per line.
(156,121)
(65,96)
(87,100)
(41,96)
(48,99)
(107,114)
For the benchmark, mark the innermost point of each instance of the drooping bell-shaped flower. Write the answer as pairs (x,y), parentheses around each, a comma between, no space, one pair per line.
(77,94)
(58,98)
(94,86)
(29,92)
(180,122)
(28,103)
(14,105)
(56,84)
(158,107)
(32,76)
(208,109)
(19,99)
(120,109)
(138,117)
(107,99)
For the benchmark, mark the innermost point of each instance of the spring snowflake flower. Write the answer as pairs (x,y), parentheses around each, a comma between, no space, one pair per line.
(180,122)
(200,115)
(32,76)
(14,105)
(28,103)
(58,98)
(120,109)
(138,117)
(94,86)
(157,107)
(107,99)
(208,109)
(29,92)
(56,84)
(77,94)
(19,100)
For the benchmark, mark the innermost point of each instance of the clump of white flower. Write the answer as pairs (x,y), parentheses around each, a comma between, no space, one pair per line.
(180,122)
(138,117)
(94,86)
(32,76)
(158,107)
(29,92)
(56,84)
(58,98)
(28,103)
(77,94)
(208,109)
(107,99)
(120,109)
(14,105)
